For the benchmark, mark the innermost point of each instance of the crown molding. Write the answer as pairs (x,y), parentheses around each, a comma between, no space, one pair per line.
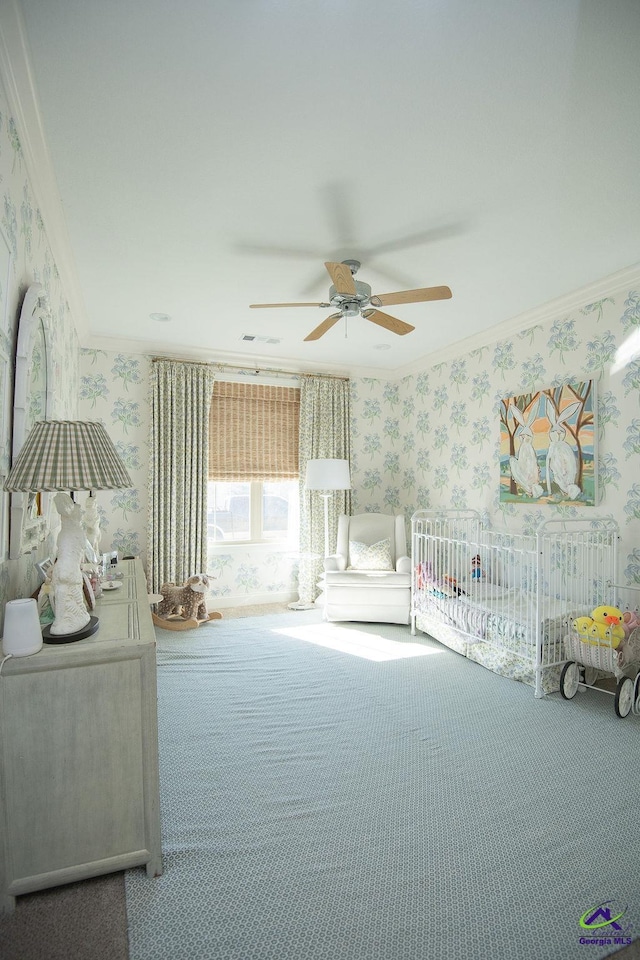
(625,278)
(16,74)
(548,311)
(202,355)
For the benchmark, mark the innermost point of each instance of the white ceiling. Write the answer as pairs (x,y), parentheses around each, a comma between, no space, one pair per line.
(210,154)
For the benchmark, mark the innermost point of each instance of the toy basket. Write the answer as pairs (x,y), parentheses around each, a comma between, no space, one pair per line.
(601,657)
(598,655)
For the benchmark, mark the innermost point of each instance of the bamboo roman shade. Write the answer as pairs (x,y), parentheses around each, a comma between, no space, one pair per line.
(253,432)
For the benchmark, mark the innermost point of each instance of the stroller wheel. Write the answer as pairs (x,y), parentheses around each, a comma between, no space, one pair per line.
(624,696)
(570,679)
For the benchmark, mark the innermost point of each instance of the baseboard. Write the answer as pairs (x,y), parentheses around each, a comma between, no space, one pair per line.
(254,599)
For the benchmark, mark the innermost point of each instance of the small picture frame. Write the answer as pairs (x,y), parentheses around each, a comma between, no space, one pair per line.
(44,568)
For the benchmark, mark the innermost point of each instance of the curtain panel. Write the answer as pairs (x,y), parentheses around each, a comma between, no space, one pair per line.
(325,433)
(179,458)
(253,432)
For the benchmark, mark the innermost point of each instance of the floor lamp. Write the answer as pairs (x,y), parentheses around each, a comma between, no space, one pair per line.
(327,476)
(64,456)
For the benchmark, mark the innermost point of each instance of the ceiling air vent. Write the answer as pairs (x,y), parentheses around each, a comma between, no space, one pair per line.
(252,337)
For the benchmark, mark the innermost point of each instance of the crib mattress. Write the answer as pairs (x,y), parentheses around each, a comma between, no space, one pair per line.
(495,627)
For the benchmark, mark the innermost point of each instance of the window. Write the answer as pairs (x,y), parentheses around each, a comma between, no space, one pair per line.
(253,510)
(253,463)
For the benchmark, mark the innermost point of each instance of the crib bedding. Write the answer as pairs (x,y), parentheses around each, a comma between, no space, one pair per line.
(497,659)
(500,615)
(493,625)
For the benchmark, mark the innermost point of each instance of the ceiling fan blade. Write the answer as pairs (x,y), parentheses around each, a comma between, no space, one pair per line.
(300,253)
(256,306)
(337,199)
(412,296)
(324,326)
(389,323)
(342,277)
(416,239)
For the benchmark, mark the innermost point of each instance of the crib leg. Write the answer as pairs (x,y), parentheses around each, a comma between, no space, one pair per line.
(539,693)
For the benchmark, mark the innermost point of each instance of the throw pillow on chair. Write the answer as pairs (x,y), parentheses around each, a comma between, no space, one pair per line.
(373,556)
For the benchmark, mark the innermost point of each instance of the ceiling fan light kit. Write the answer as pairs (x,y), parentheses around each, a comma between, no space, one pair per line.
(352,298)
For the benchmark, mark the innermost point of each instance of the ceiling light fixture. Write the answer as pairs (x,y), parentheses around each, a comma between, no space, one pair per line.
(160,317)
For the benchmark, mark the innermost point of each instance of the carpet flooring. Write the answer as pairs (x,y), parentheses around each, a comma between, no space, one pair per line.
(85,920)
(348,792)
(88,919)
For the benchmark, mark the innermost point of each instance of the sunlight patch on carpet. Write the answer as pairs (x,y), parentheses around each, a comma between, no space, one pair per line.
(359,643)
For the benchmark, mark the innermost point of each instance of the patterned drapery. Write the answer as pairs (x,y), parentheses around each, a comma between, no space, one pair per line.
(325,417)
(179,457)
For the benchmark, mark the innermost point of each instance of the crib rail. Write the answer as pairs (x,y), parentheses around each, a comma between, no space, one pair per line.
(514,593)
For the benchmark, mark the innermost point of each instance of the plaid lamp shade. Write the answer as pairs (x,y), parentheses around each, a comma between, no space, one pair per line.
(68,455)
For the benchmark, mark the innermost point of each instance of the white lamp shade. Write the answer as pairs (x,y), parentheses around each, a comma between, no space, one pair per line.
(328,475)
(22,633)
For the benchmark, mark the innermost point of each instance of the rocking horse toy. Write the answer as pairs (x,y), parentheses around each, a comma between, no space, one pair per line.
(184,606)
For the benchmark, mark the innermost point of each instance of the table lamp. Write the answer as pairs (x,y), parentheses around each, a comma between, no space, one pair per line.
(64,456)
(327,476)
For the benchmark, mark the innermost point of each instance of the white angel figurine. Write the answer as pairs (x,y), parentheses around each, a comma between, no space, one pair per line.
(66,579)
(525,469)
(562,462)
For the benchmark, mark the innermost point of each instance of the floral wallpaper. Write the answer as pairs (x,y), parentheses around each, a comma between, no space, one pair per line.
(432,439)
(113,390)
(425,441)
(26,258)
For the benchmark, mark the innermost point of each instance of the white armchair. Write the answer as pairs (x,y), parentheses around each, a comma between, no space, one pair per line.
(369,576)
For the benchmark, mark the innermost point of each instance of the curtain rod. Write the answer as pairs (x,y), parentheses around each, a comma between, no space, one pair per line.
(238,366)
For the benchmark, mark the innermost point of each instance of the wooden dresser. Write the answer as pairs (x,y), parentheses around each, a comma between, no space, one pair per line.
(79,790)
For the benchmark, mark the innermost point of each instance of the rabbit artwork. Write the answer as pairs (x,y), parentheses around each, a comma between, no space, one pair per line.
(524,466)
(562,463)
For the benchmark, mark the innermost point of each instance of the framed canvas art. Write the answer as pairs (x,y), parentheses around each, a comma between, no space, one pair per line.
(548,446)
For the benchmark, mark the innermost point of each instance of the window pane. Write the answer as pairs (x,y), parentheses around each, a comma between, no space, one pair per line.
(280,510)
(228,516)
(275,515)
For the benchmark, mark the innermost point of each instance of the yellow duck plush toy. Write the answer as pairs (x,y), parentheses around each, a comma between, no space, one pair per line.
(599,634)
(607,626)
(582,626)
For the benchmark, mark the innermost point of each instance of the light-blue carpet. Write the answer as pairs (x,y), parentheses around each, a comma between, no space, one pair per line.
(348,792)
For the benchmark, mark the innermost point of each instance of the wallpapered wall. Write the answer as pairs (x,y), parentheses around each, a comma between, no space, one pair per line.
(114,388)
(25,248)
(429,440)
(432,440)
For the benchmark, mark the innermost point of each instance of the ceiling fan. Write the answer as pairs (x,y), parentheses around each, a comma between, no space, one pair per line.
(353,298)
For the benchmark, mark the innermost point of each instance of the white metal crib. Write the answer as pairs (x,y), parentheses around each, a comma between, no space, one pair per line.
(504,599)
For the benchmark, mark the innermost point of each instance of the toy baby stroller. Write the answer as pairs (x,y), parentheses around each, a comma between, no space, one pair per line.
(606,642)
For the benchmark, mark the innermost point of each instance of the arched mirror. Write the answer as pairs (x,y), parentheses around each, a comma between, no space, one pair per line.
(31,402)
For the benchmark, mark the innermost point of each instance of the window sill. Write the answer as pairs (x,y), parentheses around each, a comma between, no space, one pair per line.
(281,545)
